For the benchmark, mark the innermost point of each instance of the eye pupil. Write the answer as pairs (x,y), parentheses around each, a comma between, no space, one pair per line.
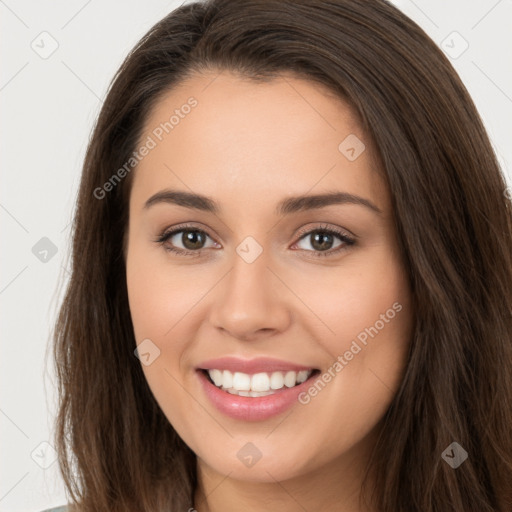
(193,237)
(322,236)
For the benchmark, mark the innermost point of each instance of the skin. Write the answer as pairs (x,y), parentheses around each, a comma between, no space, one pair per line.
(249,145)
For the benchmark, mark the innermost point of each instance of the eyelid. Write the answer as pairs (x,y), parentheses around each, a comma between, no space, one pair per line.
(325,227)
(348,239)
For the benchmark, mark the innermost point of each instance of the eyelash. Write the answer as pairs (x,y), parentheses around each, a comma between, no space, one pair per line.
(347,241)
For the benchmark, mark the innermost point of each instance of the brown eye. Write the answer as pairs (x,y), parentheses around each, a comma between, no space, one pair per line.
(185,241)
(192,239)
(322,240)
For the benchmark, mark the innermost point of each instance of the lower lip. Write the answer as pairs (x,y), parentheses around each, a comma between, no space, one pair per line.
(252,408)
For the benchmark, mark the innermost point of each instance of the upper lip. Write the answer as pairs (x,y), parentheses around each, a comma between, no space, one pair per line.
(251,366)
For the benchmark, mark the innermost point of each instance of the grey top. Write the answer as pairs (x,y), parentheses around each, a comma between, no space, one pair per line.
(64,508)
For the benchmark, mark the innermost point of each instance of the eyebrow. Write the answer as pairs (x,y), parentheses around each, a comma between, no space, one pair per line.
(285,207)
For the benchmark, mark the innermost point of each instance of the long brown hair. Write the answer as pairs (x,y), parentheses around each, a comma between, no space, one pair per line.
(117,450)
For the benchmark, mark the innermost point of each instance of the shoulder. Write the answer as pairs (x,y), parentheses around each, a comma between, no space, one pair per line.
(64,508)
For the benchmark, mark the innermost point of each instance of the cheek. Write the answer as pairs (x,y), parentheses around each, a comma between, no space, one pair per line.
(157,294)
(370,313)
(367,308)
(356,295)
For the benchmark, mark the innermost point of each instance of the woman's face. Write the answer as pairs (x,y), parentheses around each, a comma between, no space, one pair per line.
(266,287)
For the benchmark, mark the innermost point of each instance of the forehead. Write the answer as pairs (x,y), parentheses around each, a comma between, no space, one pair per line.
(230,137)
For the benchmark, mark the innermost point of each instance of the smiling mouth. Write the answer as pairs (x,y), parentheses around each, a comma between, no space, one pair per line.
(257,384)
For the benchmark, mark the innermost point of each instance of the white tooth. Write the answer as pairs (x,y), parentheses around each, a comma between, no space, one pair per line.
(302,376)
(260,382)
(276,380)
(241,381)
(244,393)
(289,379)
(216,376)
(227,379)
(262,393)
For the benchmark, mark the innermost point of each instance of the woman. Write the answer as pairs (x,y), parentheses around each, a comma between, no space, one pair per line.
(292,278)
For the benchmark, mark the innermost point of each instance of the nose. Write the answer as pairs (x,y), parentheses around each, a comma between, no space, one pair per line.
(251,302)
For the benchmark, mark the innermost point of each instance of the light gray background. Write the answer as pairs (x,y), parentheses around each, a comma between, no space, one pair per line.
(48,108)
